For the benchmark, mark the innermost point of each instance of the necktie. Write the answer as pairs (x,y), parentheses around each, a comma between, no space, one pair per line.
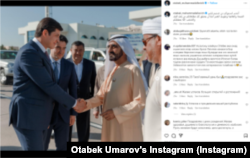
(46,53)
(56,71)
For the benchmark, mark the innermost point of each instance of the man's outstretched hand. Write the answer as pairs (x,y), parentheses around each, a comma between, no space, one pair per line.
(80,105)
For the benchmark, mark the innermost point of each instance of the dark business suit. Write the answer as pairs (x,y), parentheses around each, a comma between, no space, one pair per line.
(85,90)
(61,116)
(146,69)
(34,94)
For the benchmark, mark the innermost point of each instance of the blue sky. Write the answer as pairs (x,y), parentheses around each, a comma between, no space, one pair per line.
(14,17)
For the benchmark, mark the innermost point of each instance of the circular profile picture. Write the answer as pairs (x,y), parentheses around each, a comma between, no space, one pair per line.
(167,32)
(167,78)
(167,105)
(167,46)
(167,14)
(167,93)
(167,122)
(167,3)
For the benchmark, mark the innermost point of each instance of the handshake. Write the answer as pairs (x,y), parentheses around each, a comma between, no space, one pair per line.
(81,105)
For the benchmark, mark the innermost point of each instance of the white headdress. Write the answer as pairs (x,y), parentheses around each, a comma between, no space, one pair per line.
(128,50)
(152,26)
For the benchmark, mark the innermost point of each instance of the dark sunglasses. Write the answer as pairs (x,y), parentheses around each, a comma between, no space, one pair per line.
(145,41)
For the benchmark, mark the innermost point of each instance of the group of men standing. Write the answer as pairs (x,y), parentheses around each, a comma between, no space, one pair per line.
(46,89)
(73,75)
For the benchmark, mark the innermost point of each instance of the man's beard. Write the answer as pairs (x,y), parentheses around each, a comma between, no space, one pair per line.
(116,56)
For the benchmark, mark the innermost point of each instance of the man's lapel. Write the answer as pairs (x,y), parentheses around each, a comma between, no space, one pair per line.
(84,69)
(44,57)
(77,82)
(62,66)
(147,69)
(40,52)
(53,75)
(70,59)
(156,66)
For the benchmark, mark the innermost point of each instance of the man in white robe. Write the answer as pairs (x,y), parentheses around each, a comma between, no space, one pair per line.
(151,30)
(122,94)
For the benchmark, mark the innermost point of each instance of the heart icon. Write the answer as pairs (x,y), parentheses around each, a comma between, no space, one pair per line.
(166,135)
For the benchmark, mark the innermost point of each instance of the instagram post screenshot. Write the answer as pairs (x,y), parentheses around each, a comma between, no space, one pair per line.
(124,77)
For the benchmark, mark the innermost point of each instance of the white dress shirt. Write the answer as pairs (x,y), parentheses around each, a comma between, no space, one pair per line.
(43,49)
(79,68)
(39,44)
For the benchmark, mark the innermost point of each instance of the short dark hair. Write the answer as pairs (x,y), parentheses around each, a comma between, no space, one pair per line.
(49,24)
(78,43)
(63,39)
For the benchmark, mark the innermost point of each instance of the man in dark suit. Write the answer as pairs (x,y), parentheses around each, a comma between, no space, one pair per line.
(148,70)
(35,89)
(86,74)
(65,75)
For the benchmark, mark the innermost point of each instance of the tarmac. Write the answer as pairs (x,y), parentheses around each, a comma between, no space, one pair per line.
(9,140)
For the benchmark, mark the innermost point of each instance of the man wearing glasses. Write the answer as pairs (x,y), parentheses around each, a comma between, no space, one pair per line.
(148,68)
(151,30)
